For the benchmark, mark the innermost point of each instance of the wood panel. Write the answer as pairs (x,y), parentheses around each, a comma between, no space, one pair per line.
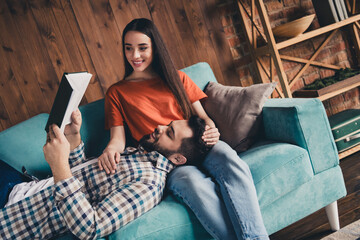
(60,43)
(102,39)
(77,47)
(19,93)
(13,109)
(36,62)
(41,39)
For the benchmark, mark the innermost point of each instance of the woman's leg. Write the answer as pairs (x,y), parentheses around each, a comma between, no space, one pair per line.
(199,192)
(238,191)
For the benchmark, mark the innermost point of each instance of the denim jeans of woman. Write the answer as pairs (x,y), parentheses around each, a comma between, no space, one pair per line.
(221,194)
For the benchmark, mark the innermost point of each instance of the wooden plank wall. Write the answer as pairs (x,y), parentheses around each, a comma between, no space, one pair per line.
(40,39)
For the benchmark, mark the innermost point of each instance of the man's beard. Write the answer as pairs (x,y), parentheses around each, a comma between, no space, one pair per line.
(147,144)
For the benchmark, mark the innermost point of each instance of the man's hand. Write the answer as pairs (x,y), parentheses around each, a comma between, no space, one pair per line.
(72,130)
(211,135)
(108,160)
(56,151)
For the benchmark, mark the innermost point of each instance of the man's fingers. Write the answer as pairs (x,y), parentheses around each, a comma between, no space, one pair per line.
(76,116)
(48,139)
(56,132)
(51,134)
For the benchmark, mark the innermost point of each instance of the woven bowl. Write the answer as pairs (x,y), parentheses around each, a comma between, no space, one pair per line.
(293,28)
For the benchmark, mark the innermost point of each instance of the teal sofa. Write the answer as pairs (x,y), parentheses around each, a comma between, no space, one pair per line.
(295,166)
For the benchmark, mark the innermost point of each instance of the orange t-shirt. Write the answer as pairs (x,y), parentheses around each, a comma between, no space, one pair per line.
(144,105)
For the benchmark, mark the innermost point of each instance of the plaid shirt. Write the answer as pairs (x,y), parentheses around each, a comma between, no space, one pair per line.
(91,204)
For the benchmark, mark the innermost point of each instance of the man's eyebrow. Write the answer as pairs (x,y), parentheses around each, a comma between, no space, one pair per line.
(172,130)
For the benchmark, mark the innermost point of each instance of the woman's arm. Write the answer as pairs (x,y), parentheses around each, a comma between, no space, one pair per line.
(211,134)
(111,155)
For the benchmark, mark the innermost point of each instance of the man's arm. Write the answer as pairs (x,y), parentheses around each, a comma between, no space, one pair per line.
(118,208)
(58,146)
(56,151)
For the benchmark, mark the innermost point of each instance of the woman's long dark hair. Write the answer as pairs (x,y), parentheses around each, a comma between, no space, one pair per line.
(162,63)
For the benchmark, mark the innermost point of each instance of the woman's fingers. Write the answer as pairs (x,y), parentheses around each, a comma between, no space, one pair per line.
(107,162)
(211,136)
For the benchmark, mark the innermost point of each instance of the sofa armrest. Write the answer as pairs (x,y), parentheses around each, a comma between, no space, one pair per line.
(302,122)
(22,145)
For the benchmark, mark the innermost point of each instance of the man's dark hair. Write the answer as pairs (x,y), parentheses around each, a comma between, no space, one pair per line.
(193,148)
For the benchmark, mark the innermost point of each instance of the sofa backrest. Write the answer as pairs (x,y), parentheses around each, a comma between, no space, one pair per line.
(92,132)
(21,145)
(200,73)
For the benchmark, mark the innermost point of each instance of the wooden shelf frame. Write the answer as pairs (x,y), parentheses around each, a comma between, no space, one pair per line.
(271,48)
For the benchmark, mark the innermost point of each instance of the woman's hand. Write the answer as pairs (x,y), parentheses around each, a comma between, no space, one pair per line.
(108,160)
(211,135)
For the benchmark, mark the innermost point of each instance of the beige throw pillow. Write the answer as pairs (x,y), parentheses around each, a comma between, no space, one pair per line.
(236,111)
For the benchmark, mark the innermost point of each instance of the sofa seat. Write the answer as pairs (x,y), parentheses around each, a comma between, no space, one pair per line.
(277,169)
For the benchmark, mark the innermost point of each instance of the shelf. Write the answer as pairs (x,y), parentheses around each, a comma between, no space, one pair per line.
(349,152)
(271,49)
(330,91)
(308,35)
(317,32)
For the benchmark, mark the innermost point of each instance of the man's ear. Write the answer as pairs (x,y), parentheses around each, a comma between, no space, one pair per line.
(177,159)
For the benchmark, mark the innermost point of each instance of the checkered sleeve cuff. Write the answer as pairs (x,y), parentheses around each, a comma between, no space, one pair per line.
(77,155)
(66,188)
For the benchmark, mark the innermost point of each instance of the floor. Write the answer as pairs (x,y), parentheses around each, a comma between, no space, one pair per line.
(316,225)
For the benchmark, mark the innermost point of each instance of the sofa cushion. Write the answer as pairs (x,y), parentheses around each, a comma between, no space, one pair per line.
(22,145)
(171,219)
(277,169)
(93,132)
(236,111)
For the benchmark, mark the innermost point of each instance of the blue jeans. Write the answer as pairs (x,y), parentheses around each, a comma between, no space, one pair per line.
(222,195)
(9,177)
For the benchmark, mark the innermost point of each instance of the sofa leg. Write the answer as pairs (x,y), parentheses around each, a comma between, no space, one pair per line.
(333,216)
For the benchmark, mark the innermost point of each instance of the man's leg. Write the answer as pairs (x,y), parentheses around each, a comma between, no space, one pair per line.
(200,194)
(238,191)
(9,178)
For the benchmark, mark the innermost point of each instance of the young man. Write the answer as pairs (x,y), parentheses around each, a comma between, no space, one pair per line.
(86,201)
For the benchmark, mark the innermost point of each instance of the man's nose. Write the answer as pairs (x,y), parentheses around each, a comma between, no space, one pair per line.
(160,128)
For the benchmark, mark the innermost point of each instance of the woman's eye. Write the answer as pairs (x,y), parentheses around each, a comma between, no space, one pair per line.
(127,48)
(143,48)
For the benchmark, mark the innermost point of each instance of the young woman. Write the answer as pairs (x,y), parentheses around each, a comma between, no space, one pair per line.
(152,93)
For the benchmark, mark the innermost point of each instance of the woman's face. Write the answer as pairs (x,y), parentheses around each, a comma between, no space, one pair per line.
(138,50)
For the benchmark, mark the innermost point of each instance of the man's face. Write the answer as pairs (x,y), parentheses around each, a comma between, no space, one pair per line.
(168,138)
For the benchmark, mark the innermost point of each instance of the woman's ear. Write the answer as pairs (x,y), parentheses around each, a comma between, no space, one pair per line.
(177,159)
